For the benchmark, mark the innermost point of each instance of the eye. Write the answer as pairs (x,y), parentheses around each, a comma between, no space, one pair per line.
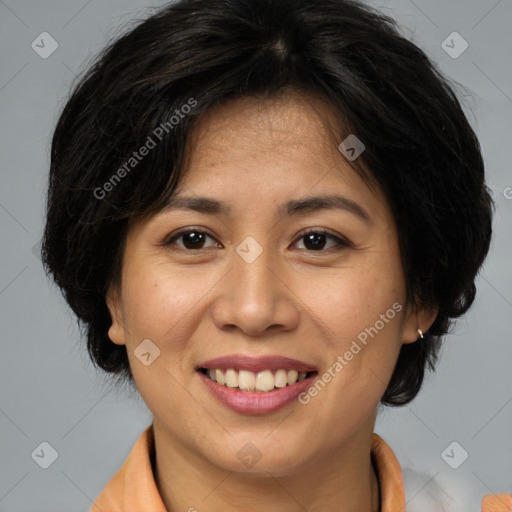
(191,239)
(315,240)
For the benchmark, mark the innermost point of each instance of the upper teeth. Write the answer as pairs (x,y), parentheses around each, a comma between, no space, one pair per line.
(255,381)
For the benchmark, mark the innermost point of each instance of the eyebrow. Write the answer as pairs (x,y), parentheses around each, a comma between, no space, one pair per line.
(292,207)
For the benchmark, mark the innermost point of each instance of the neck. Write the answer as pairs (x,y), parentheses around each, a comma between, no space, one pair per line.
(339,480)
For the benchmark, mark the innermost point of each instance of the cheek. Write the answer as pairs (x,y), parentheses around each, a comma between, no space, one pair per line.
(153,312)
(354,299)
(157,303)
(360,310)
(156,309)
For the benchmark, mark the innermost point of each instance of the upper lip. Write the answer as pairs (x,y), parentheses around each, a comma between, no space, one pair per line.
(257,364)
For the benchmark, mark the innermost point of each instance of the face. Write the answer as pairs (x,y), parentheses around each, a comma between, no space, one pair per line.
(255,282)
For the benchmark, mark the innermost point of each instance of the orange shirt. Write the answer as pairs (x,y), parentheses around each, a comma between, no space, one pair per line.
(133,487)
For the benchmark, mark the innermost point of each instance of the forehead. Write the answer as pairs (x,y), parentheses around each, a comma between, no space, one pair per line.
(271,150)
(252,126)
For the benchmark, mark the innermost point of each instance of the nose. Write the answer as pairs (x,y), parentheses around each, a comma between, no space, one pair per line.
(255,297)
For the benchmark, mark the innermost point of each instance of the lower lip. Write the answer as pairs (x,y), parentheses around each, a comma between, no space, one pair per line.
(251,402)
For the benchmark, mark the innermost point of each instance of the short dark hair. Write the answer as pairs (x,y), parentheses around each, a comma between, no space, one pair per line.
(421,151)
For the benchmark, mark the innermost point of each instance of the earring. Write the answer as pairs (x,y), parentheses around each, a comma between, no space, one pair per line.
(420,333)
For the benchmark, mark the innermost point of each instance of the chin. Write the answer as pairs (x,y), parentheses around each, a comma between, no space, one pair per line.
(258,456)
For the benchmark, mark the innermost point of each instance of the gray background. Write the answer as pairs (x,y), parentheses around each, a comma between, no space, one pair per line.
(51,392)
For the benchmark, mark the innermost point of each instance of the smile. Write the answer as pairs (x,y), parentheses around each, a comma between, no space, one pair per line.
(263,381)
(256,385)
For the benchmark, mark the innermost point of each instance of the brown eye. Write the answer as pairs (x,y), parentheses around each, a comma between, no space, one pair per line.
(317,240)
(190,239)
(314,241)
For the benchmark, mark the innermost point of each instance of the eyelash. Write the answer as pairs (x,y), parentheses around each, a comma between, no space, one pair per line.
(342,243)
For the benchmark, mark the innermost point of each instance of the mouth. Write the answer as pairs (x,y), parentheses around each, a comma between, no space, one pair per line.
(256,385)
(249,381)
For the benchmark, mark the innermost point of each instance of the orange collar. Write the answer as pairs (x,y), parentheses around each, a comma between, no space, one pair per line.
(133,487)
(391,483)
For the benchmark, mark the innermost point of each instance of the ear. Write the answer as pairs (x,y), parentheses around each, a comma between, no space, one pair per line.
(418,317)
(116,331)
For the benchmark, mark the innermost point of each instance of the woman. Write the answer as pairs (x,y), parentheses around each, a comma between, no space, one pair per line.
(266,215)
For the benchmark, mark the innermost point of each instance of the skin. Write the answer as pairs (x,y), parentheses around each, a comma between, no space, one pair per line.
(292,300)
